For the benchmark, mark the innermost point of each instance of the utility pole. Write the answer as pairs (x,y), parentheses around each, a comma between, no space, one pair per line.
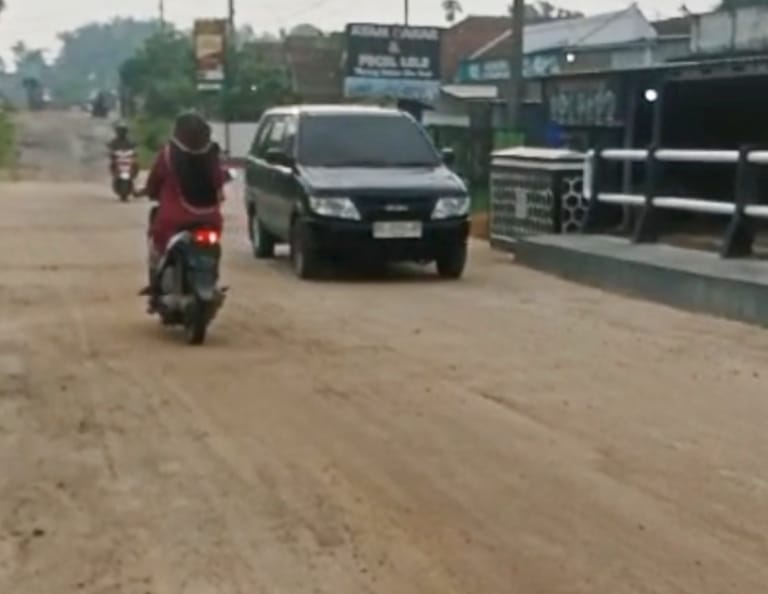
(516,81)
(407,11)
(161,8)
(230,52)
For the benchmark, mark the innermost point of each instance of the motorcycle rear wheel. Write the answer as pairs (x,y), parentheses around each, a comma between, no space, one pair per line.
(123,189)
(196,324)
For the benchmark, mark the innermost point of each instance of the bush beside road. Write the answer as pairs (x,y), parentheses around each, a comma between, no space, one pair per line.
(7,140)
(149,133)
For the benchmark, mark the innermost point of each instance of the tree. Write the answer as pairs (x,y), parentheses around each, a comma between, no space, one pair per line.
(161,78)
(30,62)
(451,8)
(256,84)
(91,56)
(161,74)
(546,11)
(537,12)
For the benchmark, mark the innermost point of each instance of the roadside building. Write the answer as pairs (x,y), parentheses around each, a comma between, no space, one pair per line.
(465,38)
(310,59)
(704,93)
(702,84)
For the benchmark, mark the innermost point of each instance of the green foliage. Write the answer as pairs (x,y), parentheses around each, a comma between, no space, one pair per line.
(160,75)
(30,62)
(255,85)
(544,11)
(451,8)
(91,57)
(481,198)
(7,140)
(150,133)
(159,81)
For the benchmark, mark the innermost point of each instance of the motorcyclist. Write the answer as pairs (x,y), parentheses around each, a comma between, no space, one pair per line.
(121,142)
(187,182)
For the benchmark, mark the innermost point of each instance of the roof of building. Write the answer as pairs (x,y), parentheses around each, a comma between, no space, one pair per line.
(709,67)
(465,37)
(482,19)
(612,27)
(673,27)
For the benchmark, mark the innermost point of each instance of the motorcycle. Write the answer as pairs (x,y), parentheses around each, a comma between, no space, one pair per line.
(186,280)
(125,171)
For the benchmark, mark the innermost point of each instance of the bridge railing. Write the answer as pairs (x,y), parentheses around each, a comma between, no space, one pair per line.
(743,206)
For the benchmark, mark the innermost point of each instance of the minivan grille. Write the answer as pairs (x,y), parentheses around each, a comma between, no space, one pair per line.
(392,208)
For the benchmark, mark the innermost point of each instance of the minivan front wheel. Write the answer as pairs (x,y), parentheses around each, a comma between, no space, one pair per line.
(452,261)
(263,241)
(304,256)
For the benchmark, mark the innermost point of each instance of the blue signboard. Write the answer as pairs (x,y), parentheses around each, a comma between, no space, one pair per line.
(492,71)
(483,71)
(424,91)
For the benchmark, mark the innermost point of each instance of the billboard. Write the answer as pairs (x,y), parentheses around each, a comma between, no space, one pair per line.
(392,61)
(210,39)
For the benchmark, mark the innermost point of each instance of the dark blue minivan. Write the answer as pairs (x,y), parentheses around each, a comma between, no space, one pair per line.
(338,182)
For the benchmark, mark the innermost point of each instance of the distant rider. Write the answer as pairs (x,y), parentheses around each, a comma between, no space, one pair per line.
(187,182)
(121,142)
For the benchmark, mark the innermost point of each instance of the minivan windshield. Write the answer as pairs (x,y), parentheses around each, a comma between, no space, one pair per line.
(363,140)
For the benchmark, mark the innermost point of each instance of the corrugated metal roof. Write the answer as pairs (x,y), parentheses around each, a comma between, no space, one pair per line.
(600,29)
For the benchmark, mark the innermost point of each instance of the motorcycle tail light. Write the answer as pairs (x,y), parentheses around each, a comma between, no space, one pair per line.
(206,237)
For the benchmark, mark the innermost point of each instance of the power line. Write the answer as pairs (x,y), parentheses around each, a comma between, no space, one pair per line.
(311,7)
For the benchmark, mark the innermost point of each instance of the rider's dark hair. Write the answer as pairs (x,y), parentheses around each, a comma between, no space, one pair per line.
(192,132)
(195,159)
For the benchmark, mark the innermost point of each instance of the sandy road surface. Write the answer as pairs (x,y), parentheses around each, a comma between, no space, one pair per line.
(506,434)
(63,146)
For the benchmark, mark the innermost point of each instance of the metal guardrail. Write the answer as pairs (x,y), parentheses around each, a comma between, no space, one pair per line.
(743,208)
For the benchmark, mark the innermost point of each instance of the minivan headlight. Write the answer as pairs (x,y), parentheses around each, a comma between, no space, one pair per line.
(336,207)
(447,208)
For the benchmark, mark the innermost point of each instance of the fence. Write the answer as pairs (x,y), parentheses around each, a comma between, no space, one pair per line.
(743,208)
(533,191)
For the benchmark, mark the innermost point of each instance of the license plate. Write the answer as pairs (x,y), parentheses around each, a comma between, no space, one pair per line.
(397,230)
(125,175)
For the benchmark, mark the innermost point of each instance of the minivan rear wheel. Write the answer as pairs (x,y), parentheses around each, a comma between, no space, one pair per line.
(452,261)
(263,241)
(304,257)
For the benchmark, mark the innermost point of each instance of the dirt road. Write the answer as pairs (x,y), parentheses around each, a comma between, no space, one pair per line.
(506,434)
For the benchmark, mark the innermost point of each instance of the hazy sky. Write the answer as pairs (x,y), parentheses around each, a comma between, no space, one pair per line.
(38,21)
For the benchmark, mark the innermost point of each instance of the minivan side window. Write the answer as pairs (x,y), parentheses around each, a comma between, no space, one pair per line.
(259,148)
(276,135)
(289,137)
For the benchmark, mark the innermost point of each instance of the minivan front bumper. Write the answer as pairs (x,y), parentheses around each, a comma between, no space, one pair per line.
(352,239)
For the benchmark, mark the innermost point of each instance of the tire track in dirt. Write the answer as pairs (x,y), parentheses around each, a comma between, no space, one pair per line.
(511,432)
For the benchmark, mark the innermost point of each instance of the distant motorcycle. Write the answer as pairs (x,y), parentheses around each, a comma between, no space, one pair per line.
(126,169)
(187,279)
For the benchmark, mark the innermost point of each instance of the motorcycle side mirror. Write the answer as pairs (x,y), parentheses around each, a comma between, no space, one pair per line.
(449,157)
